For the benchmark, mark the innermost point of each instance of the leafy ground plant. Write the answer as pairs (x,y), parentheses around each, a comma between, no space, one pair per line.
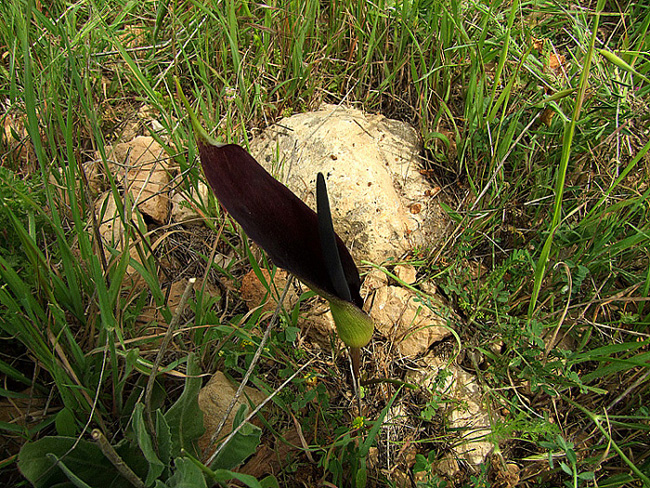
(165,456)
(533,118)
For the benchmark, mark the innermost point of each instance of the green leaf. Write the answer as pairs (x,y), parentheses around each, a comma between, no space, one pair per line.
(86,461)
(164,438)
(587,476)
(241,446)
(365,446)
(76,481)
(361,476)
(66,423)
(451,212)
(185,418)
(161,13)
(270,482)
(186,475)
(615,60)
(222,475)
(156,467)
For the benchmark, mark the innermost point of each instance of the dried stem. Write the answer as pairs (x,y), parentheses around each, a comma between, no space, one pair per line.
(163,347)
(254,412)
(115,459)
(256,358)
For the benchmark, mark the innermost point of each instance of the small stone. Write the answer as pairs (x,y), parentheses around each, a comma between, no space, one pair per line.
(214,399)
(429,288)
(142,165)
(373,457)
(411,325)
(95,177)
(184,207)
(407,273)
(502,474)
(467,414)
(18,145)
(318,326)
(111,227)
(496,347)
(374,280)
(448,466)
(256,294)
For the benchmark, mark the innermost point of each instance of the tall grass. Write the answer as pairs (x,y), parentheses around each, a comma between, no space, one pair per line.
(532,116)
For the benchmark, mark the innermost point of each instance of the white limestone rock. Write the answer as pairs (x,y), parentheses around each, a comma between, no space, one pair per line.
(380,201)
(466,412)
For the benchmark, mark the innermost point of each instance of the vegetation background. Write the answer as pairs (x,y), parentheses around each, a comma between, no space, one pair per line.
(534,120)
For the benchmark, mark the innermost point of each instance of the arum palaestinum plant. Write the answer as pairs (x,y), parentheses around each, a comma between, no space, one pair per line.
(292,234)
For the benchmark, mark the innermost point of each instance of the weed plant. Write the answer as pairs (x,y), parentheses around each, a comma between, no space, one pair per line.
(534,122)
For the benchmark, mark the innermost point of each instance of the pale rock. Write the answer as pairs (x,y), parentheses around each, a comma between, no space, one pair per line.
(373,458)
(175,293)
(112,231)
(412,326)
(149,116)
(157,126)
(256,294)
(318,325)
(110,223)
(406,272)
(94,176)
(466,413)
(448,466)
(429,288)
(504,475)
(131,129)
(19,148)
(142,166)
(223,260)
(371,167)
(497,346)
(184,207)
(421,478)
(214,399)
(56,179)
(400,473)
(374,280)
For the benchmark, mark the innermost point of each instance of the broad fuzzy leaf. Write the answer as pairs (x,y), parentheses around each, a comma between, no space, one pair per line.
(184,418)
(186,475)
(86,461)
(156,466)
(241,446)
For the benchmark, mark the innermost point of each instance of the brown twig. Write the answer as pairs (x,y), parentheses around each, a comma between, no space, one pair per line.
(125,471)
(163,347)
(239,391)
(254,412)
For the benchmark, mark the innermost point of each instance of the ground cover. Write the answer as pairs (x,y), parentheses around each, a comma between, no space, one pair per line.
(534,122)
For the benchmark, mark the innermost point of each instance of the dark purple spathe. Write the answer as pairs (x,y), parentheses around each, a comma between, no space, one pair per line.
(273,217)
